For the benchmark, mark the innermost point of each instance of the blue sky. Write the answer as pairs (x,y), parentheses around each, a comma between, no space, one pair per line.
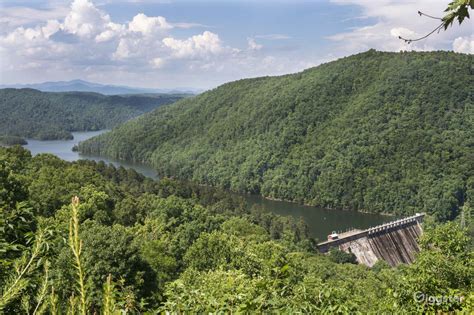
(201,44)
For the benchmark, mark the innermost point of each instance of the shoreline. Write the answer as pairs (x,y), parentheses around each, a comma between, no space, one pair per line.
(387,214)
(158,177)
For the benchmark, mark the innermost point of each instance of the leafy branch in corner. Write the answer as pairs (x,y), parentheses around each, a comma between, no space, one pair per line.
(458,9)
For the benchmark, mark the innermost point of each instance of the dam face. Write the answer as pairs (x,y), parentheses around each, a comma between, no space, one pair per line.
(395,242)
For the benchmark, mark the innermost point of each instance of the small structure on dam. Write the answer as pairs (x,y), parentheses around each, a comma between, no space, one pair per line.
(395,242)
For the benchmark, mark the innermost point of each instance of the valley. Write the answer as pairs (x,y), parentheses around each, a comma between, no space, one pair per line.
(236,157)
(320,221)
(375,132)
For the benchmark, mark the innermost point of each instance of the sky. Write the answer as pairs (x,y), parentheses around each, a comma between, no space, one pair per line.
(202,44)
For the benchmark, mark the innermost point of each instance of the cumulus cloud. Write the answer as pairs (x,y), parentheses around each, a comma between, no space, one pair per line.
(85,19)
(112,30)
(38,34)
(148,25)
(85,42)
(88,37)
(464,44)
(201,45)
(124,49)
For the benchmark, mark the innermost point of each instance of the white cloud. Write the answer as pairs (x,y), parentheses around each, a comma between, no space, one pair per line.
(252,44)
(30,36)
(90,37)
(157,63)
(123,50)
(464,44)
(113,30)
(85,19)
(273,36)
(11,17)
(148,25)
(188,25)
(402,32)
(202,45)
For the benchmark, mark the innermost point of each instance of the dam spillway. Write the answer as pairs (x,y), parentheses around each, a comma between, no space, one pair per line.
(395,242)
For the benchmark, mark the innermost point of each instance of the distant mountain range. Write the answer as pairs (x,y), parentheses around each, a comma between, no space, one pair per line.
(84,86)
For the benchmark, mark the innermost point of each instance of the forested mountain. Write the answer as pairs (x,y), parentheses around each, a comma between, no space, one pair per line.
(47,116)
(132,245)
(377,131)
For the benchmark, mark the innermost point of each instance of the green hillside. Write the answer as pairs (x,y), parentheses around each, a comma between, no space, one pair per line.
(47,116)
(379,132)
(140,246)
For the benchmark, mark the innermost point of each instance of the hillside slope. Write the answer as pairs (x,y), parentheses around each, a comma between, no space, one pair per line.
(380,132)
(46,116)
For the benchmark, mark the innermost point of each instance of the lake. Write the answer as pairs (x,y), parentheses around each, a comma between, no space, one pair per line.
(321,222)
(63,149)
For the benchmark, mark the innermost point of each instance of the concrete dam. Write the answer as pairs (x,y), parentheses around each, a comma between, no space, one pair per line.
(395,242)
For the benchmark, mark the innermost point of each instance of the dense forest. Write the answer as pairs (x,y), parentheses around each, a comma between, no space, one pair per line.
(88,238)
(377,132)
(12,140)
(49,116)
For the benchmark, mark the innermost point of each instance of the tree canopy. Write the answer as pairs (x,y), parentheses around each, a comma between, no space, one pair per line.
(48,116)
(130,244)
(377,131)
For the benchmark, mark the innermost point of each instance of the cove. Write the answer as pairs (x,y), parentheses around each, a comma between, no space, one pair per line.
(321,222)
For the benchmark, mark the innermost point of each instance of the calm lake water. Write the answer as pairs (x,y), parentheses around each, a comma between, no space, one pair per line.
(321,222)
(63,149)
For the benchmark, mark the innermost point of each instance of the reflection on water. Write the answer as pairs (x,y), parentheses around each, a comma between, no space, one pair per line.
(321,222)
(63,149)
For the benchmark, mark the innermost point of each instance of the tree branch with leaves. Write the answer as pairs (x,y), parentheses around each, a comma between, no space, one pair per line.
(456,10)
